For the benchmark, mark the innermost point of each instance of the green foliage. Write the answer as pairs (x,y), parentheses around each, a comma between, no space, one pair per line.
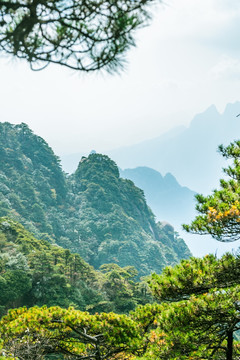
(32,183)
(81,35)
(119,287)
(34,272)
(220,212)
(14,285)
(196,275)
(201,326)
(69,332)
(204,312)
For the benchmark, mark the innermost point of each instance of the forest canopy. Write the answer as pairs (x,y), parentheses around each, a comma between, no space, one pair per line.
(201,322)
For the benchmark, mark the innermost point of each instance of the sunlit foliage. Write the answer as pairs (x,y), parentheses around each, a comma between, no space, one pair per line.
(69,332)
(220,212)
(203,314)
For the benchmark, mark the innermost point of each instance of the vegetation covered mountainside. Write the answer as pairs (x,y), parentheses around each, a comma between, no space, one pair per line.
(35,272)
(93,212)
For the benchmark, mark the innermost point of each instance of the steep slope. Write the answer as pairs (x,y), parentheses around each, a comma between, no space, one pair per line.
(113,213)
(32,184)
(93,212)
(190,154)
(166,197)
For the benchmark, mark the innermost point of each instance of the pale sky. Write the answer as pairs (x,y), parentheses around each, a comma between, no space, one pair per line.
(186,60)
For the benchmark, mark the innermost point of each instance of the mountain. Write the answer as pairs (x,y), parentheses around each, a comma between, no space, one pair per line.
(167,198)
(190,154)
(119,223)
(93,212)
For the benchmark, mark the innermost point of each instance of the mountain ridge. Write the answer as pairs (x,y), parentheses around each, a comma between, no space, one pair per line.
(93,212)
(191,156)
(189,153)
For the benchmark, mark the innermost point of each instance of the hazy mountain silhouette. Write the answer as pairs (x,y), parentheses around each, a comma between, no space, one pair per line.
(188,153)
(167,198)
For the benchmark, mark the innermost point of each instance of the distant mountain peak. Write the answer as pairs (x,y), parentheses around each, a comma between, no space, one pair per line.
(144,170)
(87,166)
(232,109)
(171,179)
(169,200)
(203,119)
(211,109)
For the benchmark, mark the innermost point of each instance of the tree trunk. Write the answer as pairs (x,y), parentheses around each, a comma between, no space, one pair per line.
(229,346)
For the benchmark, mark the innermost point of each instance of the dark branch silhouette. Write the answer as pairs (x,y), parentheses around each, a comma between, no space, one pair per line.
(83,35)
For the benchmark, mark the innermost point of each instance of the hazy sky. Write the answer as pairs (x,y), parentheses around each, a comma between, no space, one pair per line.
(186,60)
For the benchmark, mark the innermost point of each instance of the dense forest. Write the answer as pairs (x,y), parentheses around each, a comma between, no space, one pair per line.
(73,253)
(35,272)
